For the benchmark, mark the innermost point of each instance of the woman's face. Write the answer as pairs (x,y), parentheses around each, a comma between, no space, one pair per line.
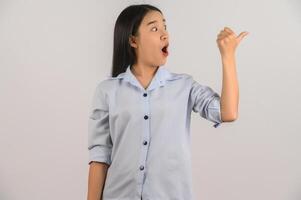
(152,37)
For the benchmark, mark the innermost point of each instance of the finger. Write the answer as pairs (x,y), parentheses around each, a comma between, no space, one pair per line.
(221,36)
(224,33)
(242,35)
(231,33)
(228,29)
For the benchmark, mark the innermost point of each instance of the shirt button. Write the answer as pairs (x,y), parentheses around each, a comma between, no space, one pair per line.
(145,117)
(145,142)
(141,167)
(145,94)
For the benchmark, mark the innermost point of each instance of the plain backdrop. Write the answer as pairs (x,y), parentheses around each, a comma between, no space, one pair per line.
(53,53)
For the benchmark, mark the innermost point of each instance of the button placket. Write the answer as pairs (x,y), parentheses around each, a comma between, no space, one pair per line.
(145,117)
(145,139)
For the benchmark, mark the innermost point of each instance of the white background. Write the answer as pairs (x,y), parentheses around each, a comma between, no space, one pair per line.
(53,53)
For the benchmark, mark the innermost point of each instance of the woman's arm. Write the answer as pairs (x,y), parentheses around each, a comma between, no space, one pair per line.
(227,43)
(230,90)
(97,178)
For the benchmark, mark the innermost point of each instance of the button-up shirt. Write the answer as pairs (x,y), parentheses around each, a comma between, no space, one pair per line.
(144,134)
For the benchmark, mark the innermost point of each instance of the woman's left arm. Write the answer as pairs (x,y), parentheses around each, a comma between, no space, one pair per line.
(227,42)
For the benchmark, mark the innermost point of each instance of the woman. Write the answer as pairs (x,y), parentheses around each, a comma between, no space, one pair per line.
(139,126)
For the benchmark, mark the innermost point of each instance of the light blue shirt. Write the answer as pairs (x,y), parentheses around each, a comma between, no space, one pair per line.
(144,134)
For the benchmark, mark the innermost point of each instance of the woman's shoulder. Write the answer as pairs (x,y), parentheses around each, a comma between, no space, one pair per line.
(179,76)
(105,84)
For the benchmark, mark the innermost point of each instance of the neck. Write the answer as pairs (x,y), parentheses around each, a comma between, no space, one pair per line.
(144,71)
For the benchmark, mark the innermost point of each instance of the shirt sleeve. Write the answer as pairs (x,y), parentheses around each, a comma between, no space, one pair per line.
(206,102)
(99,139)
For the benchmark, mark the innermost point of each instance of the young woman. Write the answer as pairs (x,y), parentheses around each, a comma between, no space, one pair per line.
(139,125)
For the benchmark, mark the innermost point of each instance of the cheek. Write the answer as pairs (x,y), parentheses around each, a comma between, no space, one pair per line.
(150,43)
(153,48)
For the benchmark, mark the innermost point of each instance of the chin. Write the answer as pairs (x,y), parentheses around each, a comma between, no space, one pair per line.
(163,62)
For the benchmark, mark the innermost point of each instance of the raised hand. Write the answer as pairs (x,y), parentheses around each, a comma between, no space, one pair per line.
(227,41)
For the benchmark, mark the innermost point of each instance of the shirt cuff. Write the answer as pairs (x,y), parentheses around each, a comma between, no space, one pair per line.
(100,154)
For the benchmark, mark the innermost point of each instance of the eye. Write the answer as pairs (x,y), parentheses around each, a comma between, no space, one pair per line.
(165,26)
(153,28)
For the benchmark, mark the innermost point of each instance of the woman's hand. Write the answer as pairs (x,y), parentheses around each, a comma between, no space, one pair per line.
(228,41)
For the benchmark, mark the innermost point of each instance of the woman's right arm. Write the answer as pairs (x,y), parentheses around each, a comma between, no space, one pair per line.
(97,177)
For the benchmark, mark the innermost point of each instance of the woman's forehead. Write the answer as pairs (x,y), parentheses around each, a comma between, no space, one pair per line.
(153,17)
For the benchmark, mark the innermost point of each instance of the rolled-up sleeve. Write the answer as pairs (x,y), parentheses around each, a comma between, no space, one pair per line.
(206,102)
(99,139)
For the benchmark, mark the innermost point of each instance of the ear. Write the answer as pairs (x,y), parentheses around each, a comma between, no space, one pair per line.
(132,41)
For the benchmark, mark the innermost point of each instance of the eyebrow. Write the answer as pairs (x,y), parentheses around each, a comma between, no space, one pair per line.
(151,22)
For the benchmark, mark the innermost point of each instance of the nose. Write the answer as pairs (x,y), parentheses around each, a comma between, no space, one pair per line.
(164,36)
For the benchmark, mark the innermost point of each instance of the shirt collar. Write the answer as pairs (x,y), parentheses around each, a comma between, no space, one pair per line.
(161,76)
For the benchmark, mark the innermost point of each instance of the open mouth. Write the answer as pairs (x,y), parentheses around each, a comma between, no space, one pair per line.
(165,50)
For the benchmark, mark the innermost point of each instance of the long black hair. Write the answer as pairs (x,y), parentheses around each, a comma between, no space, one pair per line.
(127,24)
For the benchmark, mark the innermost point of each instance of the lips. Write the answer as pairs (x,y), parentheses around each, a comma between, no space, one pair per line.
(164,49)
